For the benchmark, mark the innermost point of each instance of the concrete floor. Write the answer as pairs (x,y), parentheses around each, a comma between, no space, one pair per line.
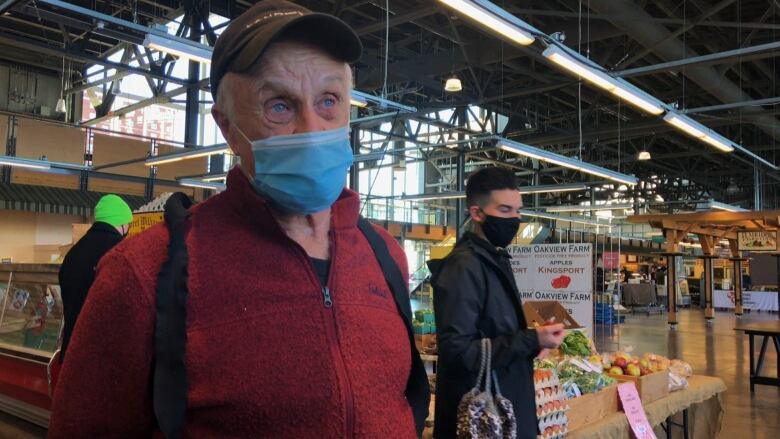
(716,351)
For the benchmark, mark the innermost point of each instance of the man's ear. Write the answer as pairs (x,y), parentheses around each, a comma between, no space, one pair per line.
(476,214)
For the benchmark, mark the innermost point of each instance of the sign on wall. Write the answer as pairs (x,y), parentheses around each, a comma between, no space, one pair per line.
(560,272)
(757,241)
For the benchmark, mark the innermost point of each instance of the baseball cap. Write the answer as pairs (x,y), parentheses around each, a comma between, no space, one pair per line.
(249,35)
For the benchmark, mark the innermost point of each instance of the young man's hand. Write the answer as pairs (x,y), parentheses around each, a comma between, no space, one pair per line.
(550,336)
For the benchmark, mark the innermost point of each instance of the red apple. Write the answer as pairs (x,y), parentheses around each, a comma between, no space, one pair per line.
(633,370)
(645,371)
(620,362)
(616,371)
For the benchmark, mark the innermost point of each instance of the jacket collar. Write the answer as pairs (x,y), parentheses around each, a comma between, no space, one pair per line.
(483,246)
(245,200)
(100,226)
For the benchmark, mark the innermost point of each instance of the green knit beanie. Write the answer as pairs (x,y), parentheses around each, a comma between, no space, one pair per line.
(113,210)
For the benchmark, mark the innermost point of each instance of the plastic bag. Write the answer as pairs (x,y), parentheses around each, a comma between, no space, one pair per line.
(680,368)
(677,382)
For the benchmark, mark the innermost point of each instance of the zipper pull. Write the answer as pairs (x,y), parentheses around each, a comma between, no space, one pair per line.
(327,299)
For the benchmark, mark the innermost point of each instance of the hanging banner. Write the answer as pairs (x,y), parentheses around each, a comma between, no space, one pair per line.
(611,260)
(559,272)
(765,241)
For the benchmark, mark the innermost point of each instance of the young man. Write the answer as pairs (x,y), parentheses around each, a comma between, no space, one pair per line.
(475,297)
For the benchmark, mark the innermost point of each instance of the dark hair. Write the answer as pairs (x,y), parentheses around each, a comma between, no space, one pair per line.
(484,181)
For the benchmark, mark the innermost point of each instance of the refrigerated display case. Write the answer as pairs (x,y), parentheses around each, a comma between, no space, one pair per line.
(31,324)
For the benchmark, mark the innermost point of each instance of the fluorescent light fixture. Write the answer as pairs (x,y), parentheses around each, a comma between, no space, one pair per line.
(189,182)
(24,163)
(717,205)
(453,85)
(215,177)
(360,97)
(695,129)
(567,162)
(439,196)
(191,51)
(563,59)
(686,124)
(585,208)
(718,141)
(638,98)
(186,155)
(523,190)
(547,188)
(477,11)
(571,219)
(643,155)
(358,102)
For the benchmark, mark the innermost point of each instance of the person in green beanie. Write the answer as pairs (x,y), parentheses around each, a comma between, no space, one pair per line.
(77,273)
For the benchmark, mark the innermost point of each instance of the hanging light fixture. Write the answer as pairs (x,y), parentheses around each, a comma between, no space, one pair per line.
(643,155)
(453,85)
(60,107)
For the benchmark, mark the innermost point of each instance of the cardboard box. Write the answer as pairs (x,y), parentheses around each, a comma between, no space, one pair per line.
(424,340)
(592,407)
(650,387)
(536,313)
(78,231)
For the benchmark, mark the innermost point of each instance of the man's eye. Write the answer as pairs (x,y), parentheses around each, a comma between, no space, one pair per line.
(279,108)
(329,103)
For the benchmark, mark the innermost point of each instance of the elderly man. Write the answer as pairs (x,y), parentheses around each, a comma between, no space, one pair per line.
(291,328)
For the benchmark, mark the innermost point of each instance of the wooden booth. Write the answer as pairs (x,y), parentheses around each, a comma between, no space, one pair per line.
(745,231)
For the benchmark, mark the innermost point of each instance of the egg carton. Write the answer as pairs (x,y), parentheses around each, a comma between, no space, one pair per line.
(551,407)
(547,382)
(552,419)
(554,432)
(543,396)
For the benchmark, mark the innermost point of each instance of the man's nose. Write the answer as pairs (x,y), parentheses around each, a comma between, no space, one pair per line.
(309,121)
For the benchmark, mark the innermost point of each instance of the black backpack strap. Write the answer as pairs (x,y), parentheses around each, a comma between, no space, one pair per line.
(170,332)
(417,387)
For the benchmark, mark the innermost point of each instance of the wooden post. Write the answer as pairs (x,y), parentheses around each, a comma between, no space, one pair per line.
(737,260)
(672,241)
(708,248)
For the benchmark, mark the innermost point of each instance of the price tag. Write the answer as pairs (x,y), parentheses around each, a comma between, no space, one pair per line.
(635,412)
(585,365)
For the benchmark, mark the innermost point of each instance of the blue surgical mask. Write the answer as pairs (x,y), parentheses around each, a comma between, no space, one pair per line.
(302,173)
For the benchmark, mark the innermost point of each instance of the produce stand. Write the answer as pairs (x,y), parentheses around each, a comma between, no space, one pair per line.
(699,406)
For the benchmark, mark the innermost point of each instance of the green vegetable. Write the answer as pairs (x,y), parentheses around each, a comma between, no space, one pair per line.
(576,343)
(590,382)
(544,364)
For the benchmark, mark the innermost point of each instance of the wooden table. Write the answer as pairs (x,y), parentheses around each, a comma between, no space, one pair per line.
(697,408)
(768,329)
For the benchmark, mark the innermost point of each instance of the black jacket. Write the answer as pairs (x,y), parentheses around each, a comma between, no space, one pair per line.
(475,296)
(77,272)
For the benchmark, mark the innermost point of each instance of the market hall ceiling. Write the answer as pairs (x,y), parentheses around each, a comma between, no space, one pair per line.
(428,43)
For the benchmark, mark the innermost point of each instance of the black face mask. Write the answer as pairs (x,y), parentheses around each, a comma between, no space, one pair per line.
(500,231)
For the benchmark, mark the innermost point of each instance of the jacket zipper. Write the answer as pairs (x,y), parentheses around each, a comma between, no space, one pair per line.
(331,331)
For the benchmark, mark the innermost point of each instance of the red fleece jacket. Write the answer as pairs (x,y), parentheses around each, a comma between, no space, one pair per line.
(265,357)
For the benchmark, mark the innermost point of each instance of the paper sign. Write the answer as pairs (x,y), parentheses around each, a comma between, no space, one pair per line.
(632,407)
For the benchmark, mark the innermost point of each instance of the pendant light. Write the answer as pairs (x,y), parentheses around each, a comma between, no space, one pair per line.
(61,108)
(453,85)
(643,155)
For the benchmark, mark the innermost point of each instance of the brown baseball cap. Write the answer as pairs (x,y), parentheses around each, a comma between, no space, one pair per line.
(249,35)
